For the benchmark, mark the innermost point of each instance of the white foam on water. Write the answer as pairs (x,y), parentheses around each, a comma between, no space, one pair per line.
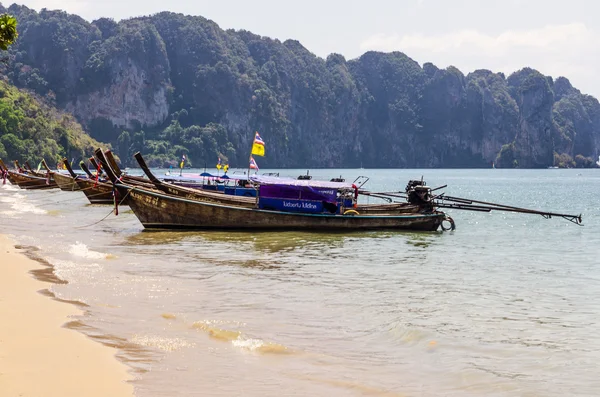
(18,205)
(259,346)
(8,187)
(81,250)
(248,344)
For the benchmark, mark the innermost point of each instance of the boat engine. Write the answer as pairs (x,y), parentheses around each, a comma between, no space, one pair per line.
(419,193)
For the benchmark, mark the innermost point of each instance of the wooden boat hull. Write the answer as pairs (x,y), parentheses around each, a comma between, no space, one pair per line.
(65,182)
(96,193)
(31,182)
(159,211)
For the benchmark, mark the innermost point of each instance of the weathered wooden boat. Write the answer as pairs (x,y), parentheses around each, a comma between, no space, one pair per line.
(159,210)
(64,181)
(32,182)
(29,180)
(97,191)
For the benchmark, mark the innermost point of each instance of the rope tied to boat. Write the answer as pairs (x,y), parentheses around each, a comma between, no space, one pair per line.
(449,220)
(107,215)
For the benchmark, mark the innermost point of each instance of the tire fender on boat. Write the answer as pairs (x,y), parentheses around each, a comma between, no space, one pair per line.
(449,220)
(351,212)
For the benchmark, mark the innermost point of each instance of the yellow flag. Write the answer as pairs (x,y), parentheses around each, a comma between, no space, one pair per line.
(258,147)
(226,168)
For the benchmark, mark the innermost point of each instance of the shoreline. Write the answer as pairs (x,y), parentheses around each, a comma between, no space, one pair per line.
(39,355)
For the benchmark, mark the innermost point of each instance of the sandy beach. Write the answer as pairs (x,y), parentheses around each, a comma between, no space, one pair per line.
(38,356)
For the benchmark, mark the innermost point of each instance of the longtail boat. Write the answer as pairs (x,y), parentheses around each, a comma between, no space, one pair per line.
(64,181)
(95,189)
(31,180)
(159,210)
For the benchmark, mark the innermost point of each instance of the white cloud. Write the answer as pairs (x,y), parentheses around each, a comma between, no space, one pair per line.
(570,50)
(71,6)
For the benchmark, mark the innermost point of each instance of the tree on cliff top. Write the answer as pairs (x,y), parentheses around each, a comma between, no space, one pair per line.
(8,31)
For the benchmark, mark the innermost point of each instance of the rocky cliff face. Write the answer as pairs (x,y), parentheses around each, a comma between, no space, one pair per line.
(196,89)
(127,102)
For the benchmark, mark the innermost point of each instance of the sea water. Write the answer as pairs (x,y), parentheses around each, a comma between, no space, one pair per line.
(505,305)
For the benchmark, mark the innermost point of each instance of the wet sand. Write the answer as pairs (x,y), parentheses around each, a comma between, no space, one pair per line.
(39,357)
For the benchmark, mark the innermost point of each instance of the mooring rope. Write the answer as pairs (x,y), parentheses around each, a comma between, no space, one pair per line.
(107,215)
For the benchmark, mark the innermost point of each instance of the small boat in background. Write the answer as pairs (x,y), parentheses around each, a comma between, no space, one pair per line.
(95,188)
(29,179)
(64,181)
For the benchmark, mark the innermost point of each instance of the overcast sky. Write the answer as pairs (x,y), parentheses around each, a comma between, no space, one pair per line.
(557,37)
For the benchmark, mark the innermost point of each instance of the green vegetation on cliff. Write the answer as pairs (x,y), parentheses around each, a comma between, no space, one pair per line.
(31,130)
(170,84)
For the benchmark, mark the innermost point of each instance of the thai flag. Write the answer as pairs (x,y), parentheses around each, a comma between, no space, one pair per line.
(258,140)
(253,164)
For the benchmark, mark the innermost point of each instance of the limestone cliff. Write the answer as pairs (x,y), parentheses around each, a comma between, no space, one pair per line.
(180,84)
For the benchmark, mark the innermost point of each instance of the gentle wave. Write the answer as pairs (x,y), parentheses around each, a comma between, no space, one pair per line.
(18,205)
(238,339)
(81,250)
(10,188)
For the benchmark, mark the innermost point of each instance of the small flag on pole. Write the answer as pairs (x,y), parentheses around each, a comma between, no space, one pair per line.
(253,164)
(219,166)
(258,147)
(182,161)
(226,168)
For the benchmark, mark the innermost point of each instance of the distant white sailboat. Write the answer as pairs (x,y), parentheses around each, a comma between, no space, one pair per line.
(598,162)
